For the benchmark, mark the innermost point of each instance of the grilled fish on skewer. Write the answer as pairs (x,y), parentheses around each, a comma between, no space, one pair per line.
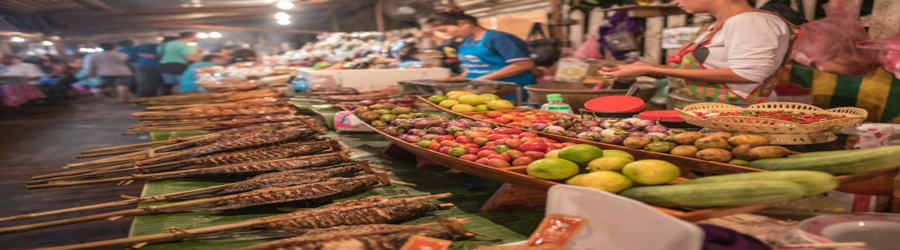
(364,237)
(277,179)
(336,208)
(289,134)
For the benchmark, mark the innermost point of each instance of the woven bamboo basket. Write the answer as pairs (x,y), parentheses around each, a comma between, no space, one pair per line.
(778,131)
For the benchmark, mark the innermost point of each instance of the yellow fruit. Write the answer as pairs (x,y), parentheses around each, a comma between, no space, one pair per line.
(448,103)
(552,169)
(552,154)
(462,108)
(456,94)
(490,97)
(471,99)
(500,105)
(651,172)
(619,153)
(605,180)
(608,163)
(575,180)
(581,153)
(481,108)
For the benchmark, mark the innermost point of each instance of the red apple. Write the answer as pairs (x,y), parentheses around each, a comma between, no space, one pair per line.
(501,120)
(464,139)
(472,150)
(485,153)
(482,161)
(522,161)
(444,150)
(468,157)
(513,143)
(434,146)
(500,157)
(494,114)
(535,155)
(533,146)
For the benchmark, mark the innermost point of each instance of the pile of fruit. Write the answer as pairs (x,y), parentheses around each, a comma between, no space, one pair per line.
(718,146)
(523,119)
(783,115)
(382,114)
(649,180)
(475,141)
(461,101)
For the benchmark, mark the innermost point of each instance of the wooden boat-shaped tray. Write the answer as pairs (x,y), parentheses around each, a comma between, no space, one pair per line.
(516,176)
(685,163)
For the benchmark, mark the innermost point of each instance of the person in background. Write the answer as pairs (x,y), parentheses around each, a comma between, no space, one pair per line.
(486,54)
(175,56)
(148,81)
(112,68)
(242,55)
(225,51)
(11,65)
(189,78)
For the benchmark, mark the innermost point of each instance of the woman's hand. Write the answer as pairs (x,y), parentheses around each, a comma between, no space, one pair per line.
(634,69)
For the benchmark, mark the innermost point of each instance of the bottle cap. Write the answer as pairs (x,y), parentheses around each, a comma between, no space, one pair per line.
(554,98)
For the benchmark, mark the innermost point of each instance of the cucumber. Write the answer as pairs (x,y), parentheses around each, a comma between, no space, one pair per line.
(829,153)
(735,193)
(850,162)
(814,182)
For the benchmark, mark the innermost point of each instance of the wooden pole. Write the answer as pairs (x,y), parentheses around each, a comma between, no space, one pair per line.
(379,16)
(222,27)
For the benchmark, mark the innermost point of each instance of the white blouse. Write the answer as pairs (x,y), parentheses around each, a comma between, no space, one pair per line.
(751,44)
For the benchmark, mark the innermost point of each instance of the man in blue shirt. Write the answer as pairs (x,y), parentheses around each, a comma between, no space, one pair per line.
(486,54)
(147,77)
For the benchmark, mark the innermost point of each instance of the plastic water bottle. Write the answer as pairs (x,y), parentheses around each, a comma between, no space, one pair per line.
(555,103)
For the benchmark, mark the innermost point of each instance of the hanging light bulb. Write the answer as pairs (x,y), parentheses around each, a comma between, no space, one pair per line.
(283,21)
(47,43)
(202,35)
(215,34)
(17,39)
(282,15)
(285,4)
(192,44)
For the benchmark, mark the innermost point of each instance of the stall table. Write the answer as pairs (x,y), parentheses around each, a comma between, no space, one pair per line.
(469,192)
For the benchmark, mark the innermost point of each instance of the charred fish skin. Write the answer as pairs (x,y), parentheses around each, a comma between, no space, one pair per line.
(370,215)
(279,151)
(334,187)
(264,139)
(293,177)
(264,167)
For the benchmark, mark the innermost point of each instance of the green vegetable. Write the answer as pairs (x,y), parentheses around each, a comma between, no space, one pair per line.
(735,193)
(836,162)
(814,182)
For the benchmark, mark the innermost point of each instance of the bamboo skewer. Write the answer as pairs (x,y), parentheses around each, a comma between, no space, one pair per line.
(151,209)
(188,233)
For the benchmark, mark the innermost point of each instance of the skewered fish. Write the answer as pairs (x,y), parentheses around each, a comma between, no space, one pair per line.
(363,237)
(272,152)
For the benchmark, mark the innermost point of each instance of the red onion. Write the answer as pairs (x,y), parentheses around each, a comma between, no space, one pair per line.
(539,126)
(410,138)
(637,134)
(555,130)
(656,128)
(650,135)
(393,131)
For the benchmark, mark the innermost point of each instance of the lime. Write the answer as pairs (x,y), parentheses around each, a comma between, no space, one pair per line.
(608,163)
(605,180)
(580,153)
(552,154)
(499,105)
(651,172)
(481,108)
(619,153)
(490,97)
(462,108)
(456,152)
(437,98)
(448,103)
(575,180)
(552,169)
(471,99)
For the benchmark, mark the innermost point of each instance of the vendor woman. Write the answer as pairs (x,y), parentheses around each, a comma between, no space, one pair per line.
(738,59)
(486,54)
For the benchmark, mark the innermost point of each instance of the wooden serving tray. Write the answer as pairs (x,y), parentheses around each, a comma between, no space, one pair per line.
(516,176)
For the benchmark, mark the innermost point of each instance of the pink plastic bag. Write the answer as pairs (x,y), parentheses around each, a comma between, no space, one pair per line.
(888,52)
(589,49)
(829,44)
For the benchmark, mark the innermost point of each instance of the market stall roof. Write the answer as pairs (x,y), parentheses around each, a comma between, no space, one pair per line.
(94,17)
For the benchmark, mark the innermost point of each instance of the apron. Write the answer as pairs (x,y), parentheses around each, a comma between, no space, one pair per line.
(684,92)
(478,60)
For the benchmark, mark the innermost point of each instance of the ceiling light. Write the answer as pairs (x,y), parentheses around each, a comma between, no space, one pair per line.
(17,39)
(47,43)
(202,35)
(192,44)
(215,34)
(285,5)
(282,15)
(284,21)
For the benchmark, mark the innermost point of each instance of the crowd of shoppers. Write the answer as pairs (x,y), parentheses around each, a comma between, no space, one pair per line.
(126,69)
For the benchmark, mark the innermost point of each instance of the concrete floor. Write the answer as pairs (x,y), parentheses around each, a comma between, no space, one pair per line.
(39,140)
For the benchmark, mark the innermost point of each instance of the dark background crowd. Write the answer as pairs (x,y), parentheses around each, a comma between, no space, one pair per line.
(122,70)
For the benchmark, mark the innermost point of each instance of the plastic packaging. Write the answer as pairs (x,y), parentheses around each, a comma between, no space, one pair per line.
(589,49)
(888,52)
(556,104)
(829,44)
